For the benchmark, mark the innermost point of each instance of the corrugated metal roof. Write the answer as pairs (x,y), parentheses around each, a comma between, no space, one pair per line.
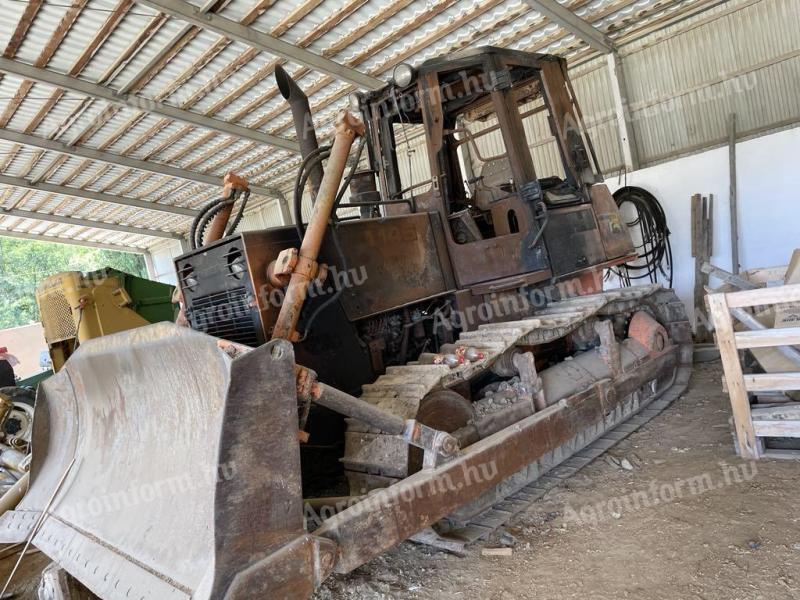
(160,57)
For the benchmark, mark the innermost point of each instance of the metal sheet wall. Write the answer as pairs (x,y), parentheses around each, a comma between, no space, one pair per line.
(591,84)
(272,215)
(685,81)
(253,221)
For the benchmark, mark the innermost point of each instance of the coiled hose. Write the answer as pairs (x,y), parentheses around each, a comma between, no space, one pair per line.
(652,245)
(211,210)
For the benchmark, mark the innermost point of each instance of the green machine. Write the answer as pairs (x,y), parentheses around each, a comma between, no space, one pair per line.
(76,307)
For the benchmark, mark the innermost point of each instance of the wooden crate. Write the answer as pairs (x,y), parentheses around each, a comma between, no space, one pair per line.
(753,424)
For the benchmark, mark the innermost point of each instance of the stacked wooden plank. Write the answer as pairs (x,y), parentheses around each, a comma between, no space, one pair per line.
(769,328)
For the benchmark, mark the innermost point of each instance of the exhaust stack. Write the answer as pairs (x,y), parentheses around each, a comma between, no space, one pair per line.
(303,123)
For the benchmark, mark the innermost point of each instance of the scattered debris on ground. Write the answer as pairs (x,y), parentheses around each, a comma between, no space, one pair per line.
(730,530)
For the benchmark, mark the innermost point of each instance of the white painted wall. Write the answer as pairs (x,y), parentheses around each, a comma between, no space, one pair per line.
(768,176)
(163,261)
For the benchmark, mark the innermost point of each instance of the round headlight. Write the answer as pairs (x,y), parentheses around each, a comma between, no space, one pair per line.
(355,102)
(403,74)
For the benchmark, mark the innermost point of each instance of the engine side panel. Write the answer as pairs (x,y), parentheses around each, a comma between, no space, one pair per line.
(395,260)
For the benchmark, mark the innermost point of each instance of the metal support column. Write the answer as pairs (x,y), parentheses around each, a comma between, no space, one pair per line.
(619,90)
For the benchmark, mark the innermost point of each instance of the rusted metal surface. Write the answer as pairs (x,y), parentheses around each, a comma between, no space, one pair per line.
(510,249)
(398,512)
(402,388)
(526,367)
(348,128)
(216,230)
(648,332)
(391,262)
(233,187)
(395,260)
(609,349)
(573,240)
(155,506)
(345,404)
(251,548)
(240,534)
(613,231)
(303,122)
(414,432)
(107,408)
(260,543)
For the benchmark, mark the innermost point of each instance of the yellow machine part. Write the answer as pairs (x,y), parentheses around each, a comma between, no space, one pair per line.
(75,308)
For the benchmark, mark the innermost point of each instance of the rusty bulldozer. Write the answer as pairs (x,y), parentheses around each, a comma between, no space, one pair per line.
(409,363)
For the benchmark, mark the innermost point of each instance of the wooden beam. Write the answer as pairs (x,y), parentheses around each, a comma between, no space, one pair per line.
(145,104)
(766,274)
(235,65)
(772,382)
(108,112)
(380,16)
(388,12)
(430,12)
(620,94)
(121,130)
(62,29)
(723,275)
(734,210)
(54,165)
(325,27)
(251,37)
(762,296)
(753,324)
(91,48)
(169,49)
(136,45)
(160,60)
(46,53)
(101,36)
(25,22)
(702,226)
(765,338)
(749,446)
(787,428)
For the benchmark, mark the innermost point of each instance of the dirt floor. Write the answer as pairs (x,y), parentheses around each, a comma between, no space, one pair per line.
(669,513)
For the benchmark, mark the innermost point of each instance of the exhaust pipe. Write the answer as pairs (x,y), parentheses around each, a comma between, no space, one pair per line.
(303,123)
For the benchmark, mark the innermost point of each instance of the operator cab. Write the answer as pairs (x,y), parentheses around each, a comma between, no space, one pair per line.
(492,140)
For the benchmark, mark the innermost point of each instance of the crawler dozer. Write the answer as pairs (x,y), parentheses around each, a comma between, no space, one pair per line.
(415,361)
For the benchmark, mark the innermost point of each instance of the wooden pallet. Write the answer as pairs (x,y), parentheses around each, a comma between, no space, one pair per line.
(751,424)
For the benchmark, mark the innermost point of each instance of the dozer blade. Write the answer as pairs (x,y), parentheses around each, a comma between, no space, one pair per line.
(179,471)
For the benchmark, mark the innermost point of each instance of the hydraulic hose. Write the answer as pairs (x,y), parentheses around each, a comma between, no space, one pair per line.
(303,174)
(654,253)
(237,219)
(199,218)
